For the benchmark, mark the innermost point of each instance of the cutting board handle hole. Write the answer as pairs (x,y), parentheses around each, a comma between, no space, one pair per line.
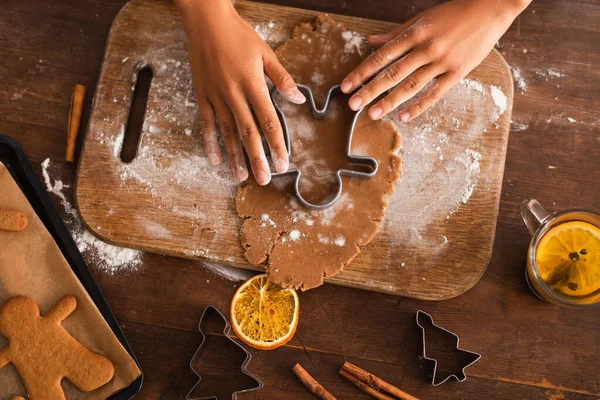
(135,121)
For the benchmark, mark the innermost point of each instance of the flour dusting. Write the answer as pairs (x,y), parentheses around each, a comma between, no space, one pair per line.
(270,33)
(499,99)
(550,73)
(108,258)
(441,158)
(519,80)
(230,273)
(441,163)
(354,41)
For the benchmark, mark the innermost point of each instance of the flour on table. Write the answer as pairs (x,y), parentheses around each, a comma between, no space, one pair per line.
(108,258)
(232,274)
(516,126)
(550,73)
(519,80)
(57,189)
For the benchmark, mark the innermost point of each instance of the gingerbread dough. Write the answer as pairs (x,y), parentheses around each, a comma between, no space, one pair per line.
(44,353)
(300,245)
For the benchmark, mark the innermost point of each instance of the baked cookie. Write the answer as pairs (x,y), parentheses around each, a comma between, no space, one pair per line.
(44,353)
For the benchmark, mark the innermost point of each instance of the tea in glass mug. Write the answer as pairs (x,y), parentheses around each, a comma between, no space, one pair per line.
(563,261)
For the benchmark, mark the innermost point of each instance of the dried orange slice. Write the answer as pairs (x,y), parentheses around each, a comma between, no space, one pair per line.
(263,314)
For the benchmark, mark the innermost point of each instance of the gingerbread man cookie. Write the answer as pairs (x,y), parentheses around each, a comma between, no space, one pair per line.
(44,353)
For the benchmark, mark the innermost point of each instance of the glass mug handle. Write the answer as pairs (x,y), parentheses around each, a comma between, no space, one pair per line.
(533,214)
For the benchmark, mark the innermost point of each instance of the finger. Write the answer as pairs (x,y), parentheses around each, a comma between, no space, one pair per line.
(208,129)
(380,40)
(231,140)
(377,60)
(430,96)
(407,89)
(282,79)
(251,140)
(388,78)
(271,128)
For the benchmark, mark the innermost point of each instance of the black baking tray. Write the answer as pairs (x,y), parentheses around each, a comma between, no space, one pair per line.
(13,157)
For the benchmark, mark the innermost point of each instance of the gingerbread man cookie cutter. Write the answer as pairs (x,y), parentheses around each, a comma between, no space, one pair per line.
(423,320)
(318,114)
(211,312)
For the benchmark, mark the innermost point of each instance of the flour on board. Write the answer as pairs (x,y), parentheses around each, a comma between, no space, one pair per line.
(108,258)
(434,184)
(440,170)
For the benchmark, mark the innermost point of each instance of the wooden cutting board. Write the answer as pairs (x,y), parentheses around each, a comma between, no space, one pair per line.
(439,230)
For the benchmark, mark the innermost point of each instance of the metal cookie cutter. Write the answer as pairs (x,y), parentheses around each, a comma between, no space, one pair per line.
(319,113)
(244,367)
(424,318)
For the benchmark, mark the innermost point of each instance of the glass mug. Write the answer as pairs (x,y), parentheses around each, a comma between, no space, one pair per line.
(578,271)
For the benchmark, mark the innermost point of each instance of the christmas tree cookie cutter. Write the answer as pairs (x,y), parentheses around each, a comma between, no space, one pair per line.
(210,312)
(318,114)
(424,319)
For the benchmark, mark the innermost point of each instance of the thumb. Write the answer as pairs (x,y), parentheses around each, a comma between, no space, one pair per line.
(282,79)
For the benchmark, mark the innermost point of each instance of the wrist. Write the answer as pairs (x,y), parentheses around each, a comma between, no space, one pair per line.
(516,7)
(509,10)
(204,11)
(500,12)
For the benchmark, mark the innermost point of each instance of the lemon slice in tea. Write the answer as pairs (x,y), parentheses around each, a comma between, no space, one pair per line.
(568,258)
(264,315)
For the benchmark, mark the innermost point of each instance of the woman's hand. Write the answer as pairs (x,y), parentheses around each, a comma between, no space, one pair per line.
(438,47)
(229,61)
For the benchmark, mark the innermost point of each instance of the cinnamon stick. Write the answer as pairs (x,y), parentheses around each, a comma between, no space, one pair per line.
(75,112)
(12,220)
(363,386)
(376,384)
(311,384)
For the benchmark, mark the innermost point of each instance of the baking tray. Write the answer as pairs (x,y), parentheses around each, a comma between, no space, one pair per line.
(13,157)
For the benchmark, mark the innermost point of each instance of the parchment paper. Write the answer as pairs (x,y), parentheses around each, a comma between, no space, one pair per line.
(32,265)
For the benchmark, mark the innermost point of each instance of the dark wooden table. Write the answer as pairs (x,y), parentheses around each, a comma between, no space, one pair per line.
(531,350)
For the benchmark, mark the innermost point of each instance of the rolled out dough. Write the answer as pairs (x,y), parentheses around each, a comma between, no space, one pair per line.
(299,245)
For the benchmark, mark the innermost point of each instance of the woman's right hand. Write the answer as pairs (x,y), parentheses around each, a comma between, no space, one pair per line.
(229,60)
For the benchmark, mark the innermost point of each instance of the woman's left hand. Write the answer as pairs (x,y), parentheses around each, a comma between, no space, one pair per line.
(438,47)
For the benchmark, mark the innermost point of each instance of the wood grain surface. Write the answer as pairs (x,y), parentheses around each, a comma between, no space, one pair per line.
(160,203)
(531,350)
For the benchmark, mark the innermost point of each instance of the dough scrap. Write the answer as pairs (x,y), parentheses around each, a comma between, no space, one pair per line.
(300,245)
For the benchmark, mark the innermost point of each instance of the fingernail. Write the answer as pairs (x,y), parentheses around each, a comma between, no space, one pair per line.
(294,95)
(213,159)
(262,177)
(346,86)
(281,164)
(241,173)
(355,103)
(405,117)
(375,112)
